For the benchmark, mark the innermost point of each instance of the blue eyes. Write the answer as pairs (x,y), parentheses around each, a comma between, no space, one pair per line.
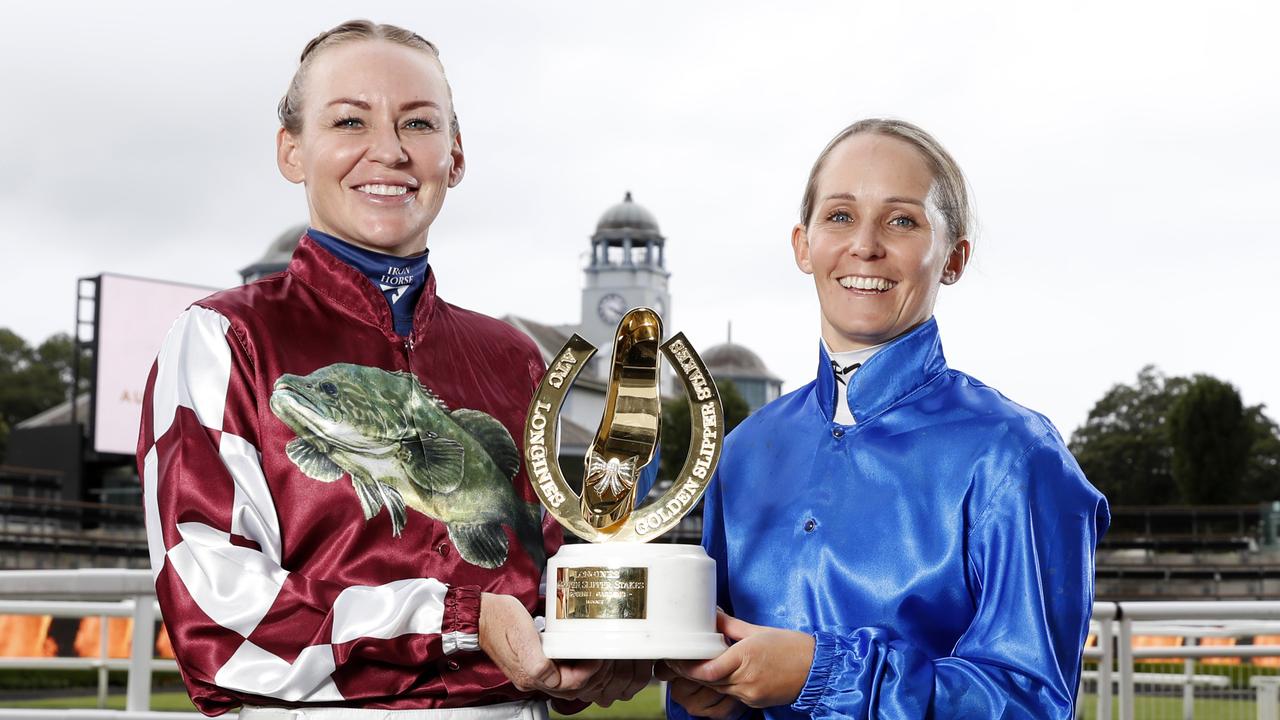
(901,222)
(351,123)
(329,389)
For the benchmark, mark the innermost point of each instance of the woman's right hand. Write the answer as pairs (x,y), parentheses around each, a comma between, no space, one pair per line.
(697,699)
(509,638)
(763,667)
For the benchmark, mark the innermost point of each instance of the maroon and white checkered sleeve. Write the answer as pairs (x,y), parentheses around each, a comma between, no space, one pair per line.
(242,625)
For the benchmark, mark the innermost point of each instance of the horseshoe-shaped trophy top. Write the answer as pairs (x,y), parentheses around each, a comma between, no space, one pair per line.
(541,443)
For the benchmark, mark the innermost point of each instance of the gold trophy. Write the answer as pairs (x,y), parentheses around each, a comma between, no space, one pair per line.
(619,597)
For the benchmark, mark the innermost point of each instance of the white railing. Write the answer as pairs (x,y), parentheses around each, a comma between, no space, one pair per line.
(131,593)
(1116,626)
(92,593)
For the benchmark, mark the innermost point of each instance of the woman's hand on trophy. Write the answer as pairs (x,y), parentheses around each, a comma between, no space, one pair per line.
(697,699)
(622,680)
(613,680)
(763,667)
(602,682)
(509,638)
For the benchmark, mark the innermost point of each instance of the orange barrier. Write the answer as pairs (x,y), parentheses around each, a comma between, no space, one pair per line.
(164,648)
(89,637)
(1147,641)
(1219,642)
(1266,640)
(26,636)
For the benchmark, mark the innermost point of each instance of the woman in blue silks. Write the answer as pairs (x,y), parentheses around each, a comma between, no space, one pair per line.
(894,539)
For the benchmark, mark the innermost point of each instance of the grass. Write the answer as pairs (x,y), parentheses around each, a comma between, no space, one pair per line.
(176,701)
(1171,707)
(647,704)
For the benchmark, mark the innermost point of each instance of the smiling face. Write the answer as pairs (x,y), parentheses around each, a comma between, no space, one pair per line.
(876,243)
(375,151)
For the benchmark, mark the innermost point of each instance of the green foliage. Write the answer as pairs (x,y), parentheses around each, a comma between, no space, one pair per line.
(675,425)
(1262,475)
(1210,435)
(58,353)
(34,379)
(1127,447)
(1123,447)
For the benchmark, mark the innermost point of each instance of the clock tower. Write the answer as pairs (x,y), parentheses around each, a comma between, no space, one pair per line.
(626,270)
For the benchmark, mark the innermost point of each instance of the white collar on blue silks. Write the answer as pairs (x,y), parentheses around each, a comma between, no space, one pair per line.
(845,364)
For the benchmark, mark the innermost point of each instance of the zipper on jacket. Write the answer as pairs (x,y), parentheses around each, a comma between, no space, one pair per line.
(406,347)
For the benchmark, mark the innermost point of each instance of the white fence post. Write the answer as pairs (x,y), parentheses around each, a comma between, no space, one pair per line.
(1125,651)
(144,637)
(1188,689)
(1106,643)
(1266,686)
(102,655)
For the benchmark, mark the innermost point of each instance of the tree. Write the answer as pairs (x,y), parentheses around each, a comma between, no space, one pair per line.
(58,352)
(1123,447)
(674,441)
(1127,448)
(1261,481)
(1210,434)
(33,380)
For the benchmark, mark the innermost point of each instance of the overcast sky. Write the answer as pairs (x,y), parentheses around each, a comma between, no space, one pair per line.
(1124,161)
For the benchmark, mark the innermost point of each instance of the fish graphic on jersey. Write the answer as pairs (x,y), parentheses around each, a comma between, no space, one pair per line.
(402,447)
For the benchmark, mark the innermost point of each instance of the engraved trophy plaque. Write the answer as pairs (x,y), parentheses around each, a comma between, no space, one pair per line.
(618,596)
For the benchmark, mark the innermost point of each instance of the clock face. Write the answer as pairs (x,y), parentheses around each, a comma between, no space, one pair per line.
(611,308)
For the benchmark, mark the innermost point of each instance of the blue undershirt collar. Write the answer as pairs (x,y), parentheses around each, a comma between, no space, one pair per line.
(399,279)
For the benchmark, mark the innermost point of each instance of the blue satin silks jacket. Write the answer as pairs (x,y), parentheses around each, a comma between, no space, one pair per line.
(940,550)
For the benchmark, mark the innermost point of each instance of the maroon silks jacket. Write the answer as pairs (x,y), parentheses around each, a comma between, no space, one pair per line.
(325,500)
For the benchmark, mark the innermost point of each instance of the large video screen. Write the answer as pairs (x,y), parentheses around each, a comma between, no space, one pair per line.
(134,315)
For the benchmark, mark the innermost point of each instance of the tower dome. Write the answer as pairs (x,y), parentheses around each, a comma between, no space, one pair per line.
(749,374)
(627,236)
(731,359)
(626,269)
(277,255)
(627,215)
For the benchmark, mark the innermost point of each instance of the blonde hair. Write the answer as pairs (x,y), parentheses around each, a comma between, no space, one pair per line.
(290,110)
(950,191)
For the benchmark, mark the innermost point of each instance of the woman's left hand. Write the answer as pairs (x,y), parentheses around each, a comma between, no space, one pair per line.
(613,681)
(764,667)
(609,681)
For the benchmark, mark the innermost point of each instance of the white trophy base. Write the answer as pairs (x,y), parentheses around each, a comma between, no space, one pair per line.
(669,611)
